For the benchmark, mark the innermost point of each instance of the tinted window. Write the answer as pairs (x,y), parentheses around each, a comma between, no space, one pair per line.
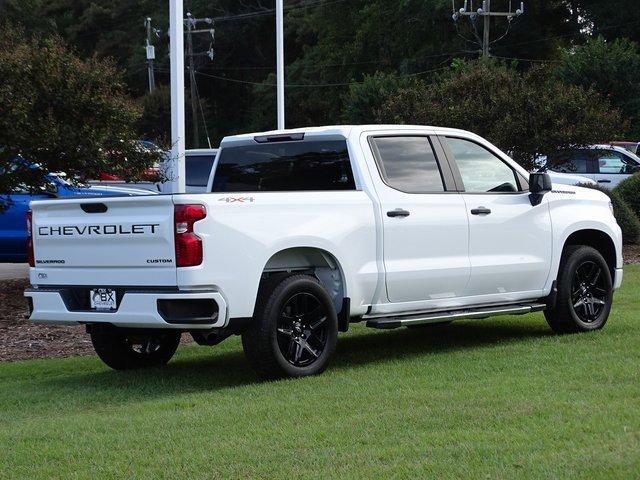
(576,163)
(198,168)
(409,164)
(282,167)
(480,169)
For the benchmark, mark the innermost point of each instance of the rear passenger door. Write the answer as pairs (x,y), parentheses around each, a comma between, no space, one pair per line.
(426,232)
(509,239)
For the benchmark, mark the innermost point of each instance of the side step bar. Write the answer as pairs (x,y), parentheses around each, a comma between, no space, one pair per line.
(435,317)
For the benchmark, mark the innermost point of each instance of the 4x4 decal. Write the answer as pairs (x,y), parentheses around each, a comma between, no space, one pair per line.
(237,199)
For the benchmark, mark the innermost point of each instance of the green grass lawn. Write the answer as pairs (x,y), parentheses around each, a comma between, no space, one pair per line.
(498,398)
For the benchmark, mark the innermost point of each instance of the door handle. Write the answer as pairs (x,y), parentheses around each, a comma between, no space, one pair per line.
(398,212)
(480,211)
(604,181)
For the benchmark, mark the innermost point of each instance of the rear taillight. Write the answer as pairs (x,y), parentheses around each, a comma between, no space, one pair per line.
(188,244)
(30,255)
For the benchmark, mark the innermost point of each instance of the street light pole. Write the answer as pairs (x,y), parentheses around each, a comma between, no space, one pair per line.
(176,32)
(280,61)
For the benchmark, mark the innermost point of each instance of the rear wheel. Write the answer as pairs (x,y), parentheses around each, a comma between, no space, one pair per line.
(294,331)
(585,292)
(123,351)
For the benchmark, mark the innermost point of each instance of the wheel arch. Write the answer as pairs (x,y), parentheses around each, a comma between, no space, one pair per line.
(597,239)
(315,261)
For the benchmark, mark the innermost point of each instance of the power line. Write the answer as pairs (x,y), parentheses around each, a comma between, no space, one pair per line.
(192,23)
(272,11)
(204,120)
(310,85)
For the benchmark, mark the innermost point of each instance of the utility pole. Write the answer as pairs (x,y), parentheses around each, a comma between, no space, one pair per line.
(151,55)
(486,13)
(191,24)
(176,33)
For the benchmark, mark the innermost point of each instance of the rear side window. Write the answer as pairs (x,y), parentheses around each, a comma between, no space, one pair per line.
(578,164)
(285,167)
(408,164)
(198,168)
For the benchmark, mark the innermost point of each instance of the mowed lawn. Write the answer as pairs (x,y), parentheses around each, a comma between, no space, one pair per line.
(499,398)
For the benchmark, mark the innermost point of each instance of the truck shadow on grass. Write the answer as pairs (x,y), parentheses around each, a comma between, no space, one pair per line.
(195,373)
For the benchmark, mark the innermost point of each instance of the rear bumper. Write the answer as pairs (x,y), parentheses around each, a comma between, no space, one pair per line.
(135,310)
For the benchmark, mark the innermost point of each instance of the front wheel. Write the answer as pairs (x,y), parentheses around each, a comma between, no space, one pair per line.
(585,292)
(294,331)
(123,351)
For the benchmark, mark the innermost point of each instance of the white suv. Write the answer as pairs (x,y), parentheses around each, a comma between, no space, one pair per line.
(607,165)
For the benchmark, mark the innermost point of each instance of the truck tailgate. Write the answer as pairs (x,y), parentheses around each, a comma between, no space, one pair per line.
(104,241)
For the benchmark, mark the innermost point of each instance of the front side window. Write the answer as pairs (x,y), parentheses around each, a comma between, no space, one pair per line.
(285,167)
(408,164)
(480,169)
(612,162)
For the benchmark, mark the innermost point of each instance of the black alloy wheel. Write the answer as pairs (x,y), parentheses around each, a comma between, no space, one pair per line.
(303,329)
(588,291)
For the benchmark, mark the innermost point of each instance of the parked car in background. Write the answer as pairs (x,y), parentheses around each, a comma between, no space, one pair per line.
(13,223)
(607,165)
(630,146)
(198,165)
(570,179)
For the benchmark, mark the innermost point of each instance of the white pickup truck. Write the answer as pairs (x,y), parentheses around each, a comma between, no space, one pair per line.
(305,231)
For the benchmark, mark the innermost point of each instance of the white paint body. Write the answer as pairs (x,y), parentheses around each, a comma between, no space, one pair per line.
(440,257)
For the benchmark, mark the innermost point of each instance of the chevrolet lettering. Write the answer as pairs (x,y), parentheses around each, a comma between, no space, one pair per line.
(74,230)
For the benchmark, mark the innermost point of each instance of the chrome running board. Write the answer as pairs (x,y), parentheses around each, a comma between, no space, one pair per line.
(398,321)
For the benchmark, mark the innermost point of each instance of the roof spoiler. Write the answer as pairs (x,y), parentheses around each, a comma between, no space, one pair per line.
(284,137)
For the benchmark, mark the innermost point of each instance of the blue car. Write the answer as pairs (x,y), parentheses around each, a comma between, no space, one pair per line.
(13,221)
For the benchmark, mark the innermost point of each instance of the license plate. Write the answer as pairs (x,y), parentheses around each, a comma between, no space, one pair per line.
(103,299)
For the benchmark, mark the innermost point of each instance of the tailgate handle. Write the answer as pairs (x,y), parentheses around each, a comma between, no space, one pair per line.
(93,207)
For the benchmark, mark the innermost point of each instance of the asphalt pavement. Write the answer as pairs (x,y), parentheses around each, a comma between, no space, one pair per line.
(11,271)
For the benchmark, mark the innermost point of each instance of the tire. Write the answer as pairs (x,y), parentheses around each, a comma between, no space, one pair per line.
(122,351)
(585,292)
(294,330)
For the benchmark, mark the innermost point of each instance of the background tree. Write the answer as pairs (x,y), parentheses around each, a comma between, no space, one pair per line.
(526,114)
(63,114)
(611,68)
(332,45)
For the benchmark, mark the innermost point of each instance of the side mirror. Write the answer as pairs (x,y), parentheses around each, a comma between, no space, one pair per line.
(539,185)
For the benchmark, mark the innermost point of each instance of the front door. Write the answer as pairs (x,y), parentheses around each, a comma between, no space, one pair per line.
(426,233)
(510,240)
(612,167)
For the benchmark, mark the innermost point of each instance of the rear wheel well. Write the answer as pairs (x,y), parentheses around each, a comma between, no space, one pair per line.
(311,261)
(598,240)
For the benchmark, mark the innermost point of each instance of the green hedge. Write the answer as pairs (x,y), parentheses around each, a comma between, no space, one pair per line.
(624,213)
(629,190)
